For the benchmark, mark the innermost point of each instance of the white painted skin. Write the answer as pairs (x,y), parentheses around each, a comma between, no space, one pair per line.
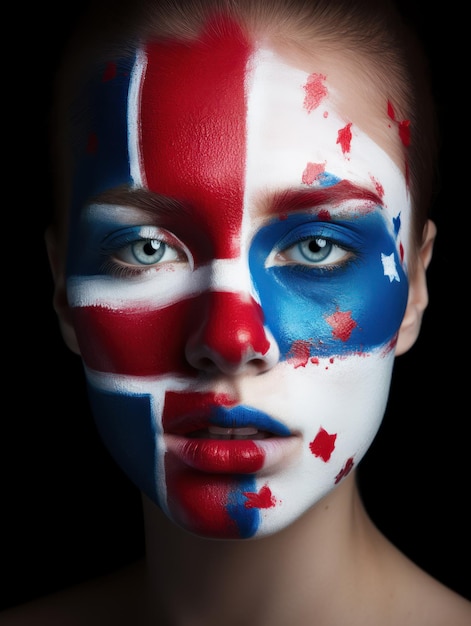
(346,396)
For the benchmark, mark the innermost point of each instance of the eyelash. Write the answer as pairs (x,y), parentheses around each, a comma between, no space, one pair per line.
(343,254)
(125,244)
(294,246)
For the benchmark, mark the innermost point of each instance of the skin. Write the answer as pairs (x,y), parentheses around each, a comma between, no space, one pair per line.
(237,276)
(255,332)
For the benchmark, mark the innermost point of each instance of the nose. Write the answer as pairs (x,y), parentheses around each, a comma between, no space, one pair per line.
(228,336)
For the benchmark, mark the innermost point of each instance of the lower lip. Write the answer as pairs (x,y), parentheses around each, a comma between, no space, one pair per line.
(231,456)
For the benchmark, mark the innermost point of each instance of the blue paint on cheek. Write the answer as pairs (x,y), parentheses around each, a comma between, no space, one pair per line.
(301,302)
(126,427)
(247,519)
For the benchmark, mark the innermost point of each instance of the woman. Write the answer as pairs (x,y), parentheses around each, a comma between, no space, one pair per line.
(239,254)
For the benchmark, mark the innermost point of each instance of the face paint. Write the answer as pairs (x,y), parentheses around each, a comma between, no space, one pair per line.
(236,275)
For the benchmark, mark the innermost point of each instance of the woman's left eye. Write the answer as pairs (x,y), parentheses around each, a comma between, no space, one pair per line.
(316,251)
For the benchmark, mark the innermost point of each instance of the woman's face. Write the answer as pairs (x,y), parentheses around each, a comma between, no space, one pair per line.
(236,275)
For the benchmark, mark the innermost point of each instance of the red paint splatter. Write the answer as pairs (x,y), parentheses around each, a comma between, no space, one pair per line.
(323,445)
(403,126)
(315,90)
(315,360)
(345,470)
(261,500)
(378,186)
(391,345)
(324,214)
(342,324)
(404,132)
(300,352)
(198,500)
(318,197)
(344,138)
(110,72)
(401,252)
(311,172)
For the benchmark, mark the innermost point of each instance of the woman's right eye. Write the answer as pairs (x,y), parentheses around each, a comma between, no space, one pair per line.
(137,250)
(147,252)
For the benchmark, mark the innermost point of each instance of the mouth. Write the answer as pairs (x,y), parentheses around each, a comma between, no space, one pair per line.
(224,433)
(236,440)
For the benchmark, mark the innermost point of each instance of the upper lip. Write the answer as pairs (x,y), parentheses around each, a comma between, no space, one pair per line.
(213,414)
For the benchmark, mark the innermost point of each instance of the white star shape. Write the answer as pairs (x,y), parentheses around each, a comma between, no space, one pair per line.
(389,267)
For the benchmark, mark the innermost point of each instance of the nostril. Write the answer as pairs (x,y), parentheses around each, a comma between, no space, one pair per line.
(259,364)
(206,364)
(227,335)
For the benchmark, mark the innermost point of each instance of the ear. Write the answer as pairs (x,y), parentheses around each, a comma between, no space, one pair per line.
(60,303)
(418,294)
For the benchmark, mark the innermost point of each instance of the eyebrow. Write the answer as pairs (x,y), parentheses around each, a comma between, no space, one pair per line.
(298,199)
(154,204)
(151,203)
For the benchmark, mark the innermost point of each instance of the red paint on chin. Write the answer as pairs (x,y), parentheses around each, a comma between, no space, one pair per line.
(261,500)
(323,445)
(193,128)
(198,501)
(345,471)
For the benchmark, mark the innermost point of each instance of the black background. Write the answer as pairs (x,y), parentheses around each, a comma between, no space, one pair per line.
(67,511)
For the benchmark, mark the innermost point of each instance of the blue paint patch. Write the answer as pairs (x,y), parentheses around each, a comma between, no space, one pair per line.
(299,300)
(99,127)
(397,224)
(240,416)
(247,519)
(126,427)
(325,179)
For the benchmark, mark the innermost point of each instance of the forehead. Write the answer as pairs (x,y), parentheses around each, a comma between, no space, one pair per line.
(220,117)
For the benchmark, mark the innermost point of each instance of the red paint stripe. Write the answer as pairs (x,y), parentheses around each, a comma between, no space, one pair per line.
(145,351)
(157,341)
(199,500)
(193,127)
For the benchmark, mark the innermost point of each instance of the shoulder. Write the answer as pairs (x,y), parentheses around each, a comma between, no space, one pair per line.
(111,600)
(437,605)
(422,599)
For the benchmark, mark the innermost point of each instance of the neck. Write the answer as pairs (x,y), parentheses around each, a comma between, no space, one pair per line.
(202,581)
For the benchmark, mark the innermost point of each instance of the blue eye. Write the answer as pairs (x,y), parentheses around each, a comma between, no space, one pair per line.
(139,249)
(316,251)
(306,243)
(146,252)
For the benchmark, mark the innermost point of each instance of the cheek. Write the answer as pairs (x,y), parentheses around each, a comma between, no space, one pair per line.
(316,313)
(128,429)
(134,342)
